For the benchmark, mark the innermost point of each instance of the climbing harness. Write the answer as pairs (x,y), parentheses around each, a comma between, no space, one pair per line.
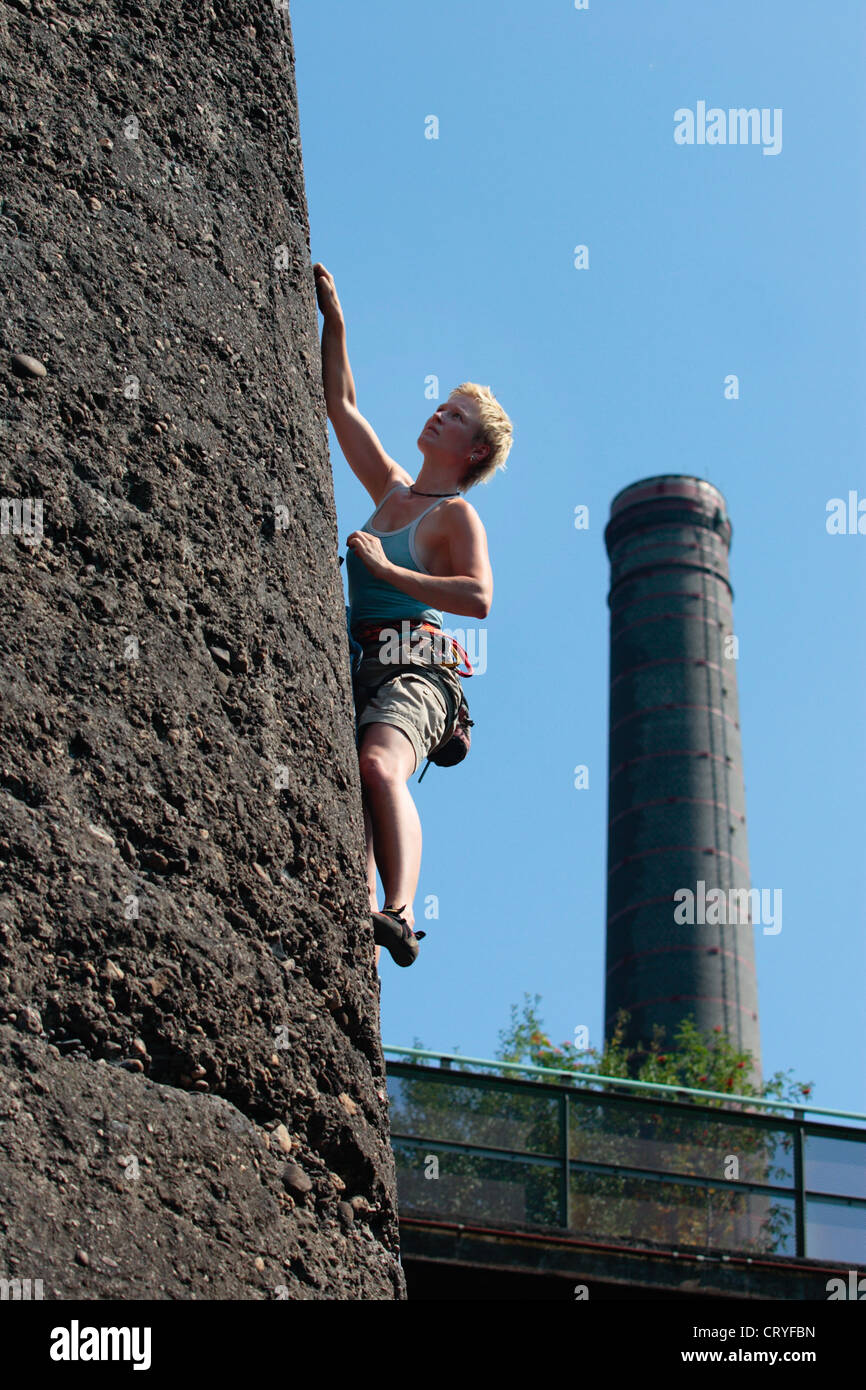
(368,633)
(455,744)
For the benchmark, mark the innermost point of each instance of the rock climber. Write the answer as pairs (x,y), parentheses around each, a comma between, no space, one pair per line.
(426,552)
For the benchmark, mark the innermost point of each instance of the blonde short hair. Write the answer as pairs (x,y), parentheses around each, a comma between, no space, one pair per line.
(495,429)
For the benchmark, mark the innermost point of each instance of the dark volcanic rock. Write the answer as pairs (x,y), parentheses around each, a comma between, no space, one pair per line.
(182,894)
(149,1192)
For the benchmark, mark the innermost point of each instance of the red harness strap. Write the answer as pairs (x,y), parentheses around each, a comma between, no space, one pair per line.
(371,632)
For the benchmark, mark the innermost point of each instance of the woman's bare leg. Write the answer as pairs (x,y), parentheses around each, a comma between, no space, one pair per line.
(387,760)
(371,866)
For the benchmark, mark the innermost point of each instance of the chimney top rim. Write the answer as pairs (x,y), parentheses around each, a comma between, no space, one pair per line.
(676,481)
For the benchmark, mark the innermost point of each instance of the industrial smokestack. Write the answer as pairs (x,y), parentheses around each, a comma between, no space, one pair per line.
(677,814)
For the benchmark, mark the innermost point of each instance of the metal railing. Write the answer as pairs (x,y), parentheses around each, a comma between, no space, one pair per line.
(611,1159)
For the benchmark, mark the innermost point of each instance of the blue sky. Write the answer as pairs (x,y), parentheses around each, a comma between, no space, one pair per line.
(454,257)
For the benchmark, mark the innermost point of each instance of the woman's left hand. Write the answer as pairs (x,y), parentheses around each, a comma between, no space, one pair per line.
(369,550)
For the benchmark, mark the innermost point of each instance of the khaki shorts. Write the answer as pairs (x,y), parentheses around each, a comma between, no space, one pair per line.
(409,702)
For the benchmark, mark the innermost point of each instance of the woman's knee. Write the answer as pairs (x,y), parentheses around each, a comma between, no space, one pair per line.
(378,767)
(383,761)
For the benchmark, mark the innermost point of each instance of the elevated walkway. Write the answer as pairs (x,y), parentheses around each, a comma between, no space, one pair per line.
(531,1183)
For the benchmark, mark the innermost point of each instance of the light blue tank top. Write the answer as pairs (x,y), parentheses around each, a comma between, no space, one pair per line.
(372,600)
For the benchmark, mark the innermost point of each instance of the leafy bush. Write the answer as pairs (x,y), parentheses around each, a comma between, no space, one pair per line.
(706,1062)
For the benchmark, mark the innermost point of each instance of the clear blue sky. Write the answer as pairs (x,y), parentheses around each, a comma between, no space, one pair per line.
(454,257)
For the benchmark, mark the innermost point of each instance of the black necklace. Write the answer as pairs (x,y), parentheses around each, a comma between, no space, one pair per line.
(432,494)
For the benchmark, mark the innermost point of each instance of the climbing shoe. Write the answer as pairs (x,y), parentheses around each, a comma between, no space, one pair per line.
(394,933)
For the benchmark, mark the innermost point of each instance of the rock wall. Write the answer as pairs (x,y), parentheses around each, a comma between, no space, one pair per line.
(192,1102)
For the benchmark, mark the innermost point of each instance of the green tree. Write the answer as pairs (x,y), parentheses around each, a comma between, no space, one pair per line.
(700,1061)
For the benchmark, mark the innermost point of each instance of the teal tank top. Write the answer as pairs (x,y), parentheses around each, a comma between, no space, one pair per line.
(372,600)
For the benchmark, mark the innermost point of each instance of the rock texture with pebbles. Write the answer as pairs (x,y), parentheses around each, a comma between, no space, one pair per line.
(188,995)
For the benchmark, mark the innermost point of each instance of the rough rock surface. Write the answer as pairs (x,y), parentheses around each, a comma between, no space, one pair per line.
(186,965)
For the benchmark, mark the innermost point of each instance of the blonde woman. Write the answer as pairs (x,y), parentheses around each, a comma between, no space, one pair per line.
(423,550)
